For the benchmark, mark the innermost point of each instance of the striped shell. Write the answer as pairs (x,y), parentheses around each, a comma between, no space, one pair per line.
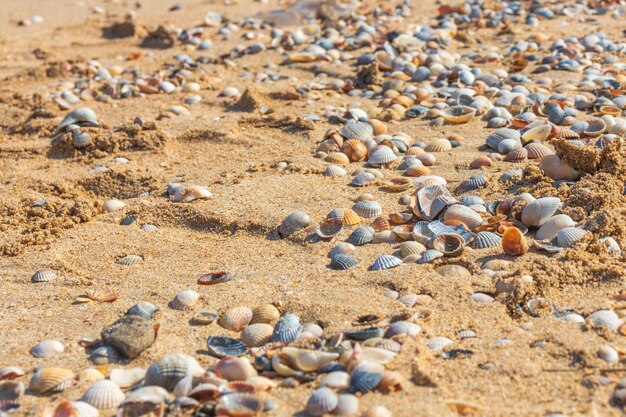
(497,122)
(221,346)
(439,145)
(342,262)
(341,248)
(334,171)
(368,209)
(213,278)
(362,235)
(382,155)
(363,179)
(83,116)
(386,262)
(501,134)
(337,158)
(414,151)
(463,214)
(44,275)
(357,130)
(355,150)
(104,395)
(80,139)
(466,334)
(170,369)
(439,343)
(516,155)
(484,240)
(47,349)
(411,248)
(257,334)
(567,134)
(475,182)
(190,193)
(363,381)
(380,223)
(185,300)
(569,236)
(104,355)
(288,329)
(294,222)
(265,313)
(458,114)
(143,309)
(130,260)
(51,379)
(322,401)
(236,318)
(537,150)
(429,256)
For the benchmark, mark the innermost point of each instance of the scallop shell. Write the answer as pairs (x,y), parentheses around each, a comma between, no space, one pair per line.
(556,169)
(337,158)
(322,401)
(170,369)
(463,214)
(378,127)
(380,223)
(362,235)
(80,139)
(329,228)
(294,222)
(265,313)
(236,318)
(104,395)
(537,133)
(335,171)
(551,228)
(483,240)
(257,334)
(363,179)
(104,355)
(357,130)
(606,318)
(363,381)
(368,209)
(129,260)
(185,300)
(449,244)
(538,150)
(382,155)
(513,242)
(411,248)
(537,212)
(458,114)
(466,334)
(287,329)
(342,262)
(516,155)
(355,150)
(44,275)
(439,145)
(569,236)
(414,151)
(221,346)
(51,379)
(385,262)
(143,309)
(429,256)
(567,134)
(47,349)
(475,182)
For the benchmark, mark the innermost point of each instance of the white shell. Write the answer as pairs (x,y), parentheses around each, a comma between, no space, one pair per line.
(539,211)
(337,380)
(47,348)
(553,226)
(185,300)
(605,318)
(322,401)
(482,298)
(104,395)
(608,354)
(44,275)
(113,205)
(126,378)
(439,343)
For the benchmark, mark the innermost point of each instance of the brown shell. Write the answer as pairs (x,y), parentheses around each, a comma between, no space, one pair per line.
(514,243)
(350,218)
(257,334)
(380,128)
(481,161)
(439,145)
(567,134)
(380,223)
(337,158)
(403,101)
(417,171)
(236,318)
(414,150)
(537,150)
(449,244)
(265,313)
(515,155)
(51,379)
(355,150)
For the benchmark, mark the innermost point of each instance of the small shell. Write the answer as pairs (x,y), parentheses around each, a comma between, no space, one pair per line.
(367,209)
(236,318)
(113,205)
(347,405)
(537,212)
(463,214)
(362,235)
(47,349)
(329,228)
(608,354)
(569,236)
(357,130)
(439,343)
(378,127)
(287,329)
(458,114)
(143,309)
(508,145)
(190,193)
(322,401)
(606,318)
(475,182)
(481,298)
(484,240)
(556,169)
(514,242)
(365,333)
(386,262)
(337,158)
(185,300)
(294,222)
(501,134)
(238,405)
(341,248)
(90,375)
(449,244)
(363,381)
(355,150)
(129,260)
(595,128)
(377,411)
(516,155)
(257,334)
(439,145)
(10,373)
(466,334)
(454,271)
(403,327)
(411,248)
(221,346)
(342,262)
(429,256)
(307,360)
(382,155)
(125,378)
(380,223)
(538,150)
(82,116)
(537,133)
(265,313)
(44,275)
(204,318)
(214,278)
(335,171)
(551,228)
(104,395)
(51,379)
(170,369)
(80,139)
(336,380)
(363,179)
(104,355)
(611,245)
(234,369)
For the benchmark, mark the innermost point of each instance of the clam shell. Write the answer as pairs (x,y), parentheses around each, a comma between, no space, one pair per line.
(362,235)
(185,300)
(538,150)
(463,214)
(51,379)
(382,155)
(322,401)
(355,150)
(329,228)
(484,240)
(337,158)
(170,369)
(380,223)
(125,378)
(44,275)
(335,171)
(336,380)
(608,354)
(475,182)
(508,145)
(82,116)
(449,244)
(204,318)
(454,271)
(364,334)
(47,348)
(481,298)
(10,373)
(551,228)
(537,212)
(439,145)
(307,360)
(363,179)
(606,318)
(429,256)
(516,155)
(363,381)
(214,278)
(257,334)
(104,355)
(287,329)
(458,114)
(143,309)
(265,313)
(439,343)
(569,236)
(556,169)
(104,395)
(403,327)
(80,139)
(368,209)
(432,199)
(411,248)
(385,262)
(357,130)
(129,260)
(221,346)
(342,262)
(513,242)
(595,128)
(428,159)
(239,405)
(537,133)
(236,318)
(294,222)
(497,122)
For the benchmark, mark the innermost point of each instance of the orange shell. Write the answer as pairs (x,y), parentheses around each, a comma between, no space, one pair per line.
(514,243)
(355,150)
(350,218)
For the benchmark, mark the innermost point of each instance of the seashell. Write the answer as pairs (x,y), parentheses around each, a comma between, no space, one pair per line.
(185,300)
(335,171)
(287,329)
(516,155)
(336,380)
(385,262)
(355,150)
(357,130)
(10,373)
(380,223)
(329,228)
(72,408)
(608,354)
(44,275)
(104,355)
(238,405)
(484,240)
(214,278)
(474,182)
(481,298)
(409,162)
(143,309)
(414,151)
(378,127)
(382,155)
(417,171)
(337,158)
(497,122)
(129,260)
(170,369)
(429,256)
(190,193)
(363,179)
(341,248)
(82,116)
(458,114)
(48,380)
(569,236)
(401,328)
(362,235)
(466,334)
(234,369)
(104,395)
(229,92)
(550,229)
(439,145)
(557,170)
(80,139)
(236,318)
(537,134)
(377,411)
(538,150)
(47,349)
(363,381)
(126,378)
(472,200)
(265,313)
(428,159)
(611,245)
(257,334)
(294,222)
(411,248)
(595,128)
(454,271)
(437,344)
(403,232)
(508,145)
(432,199)
(307,360)
(606,318)
(463,214)
(221,346)
(342,262)
(499,135)
(204,318)
(367,209)
(347,405)
(513,242)
(449,244)
(537,212)
(322,401)
(567,134)
(113,205)
(204,392)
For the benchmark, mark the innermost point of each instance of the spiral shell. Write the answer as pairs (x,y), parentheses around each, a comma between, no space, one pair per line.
(385,262)
(44,275)
(287,329)
(185,300)
(47,348)
(294,222)
(104,395)
(51,380)
(236,318)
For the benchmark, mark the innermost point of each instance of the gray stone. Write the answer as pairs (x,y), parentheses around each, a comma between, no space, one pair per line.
(130,335)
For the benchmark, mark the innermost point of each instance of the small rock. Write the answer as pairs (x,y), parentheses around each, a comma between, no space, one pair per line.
(130,335)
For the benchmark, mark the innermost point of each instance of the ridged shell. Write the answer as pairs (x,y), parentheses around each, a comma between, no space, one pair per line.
(501,134)
(378,127)
(569,236)
(337,158)
(380,223)
(538,150)
(516,155)
(439,145)
(606,318)
(432,199)
(362,235)
(382,155)
(256,335)
(508,145)
(265,313)
(567,134)
(449,244)
(287,329)
(44,275)
(335,171)
(294,222)
(185,300)
(458,114)
(51,379)
(386,262)
(429,256)
(538,212)
(483,240)
(537,133)
(551,228)
(411,248)
(143,309)
(342,262)
(368,209)
(363,381)
(80,139)
(167,371)
(363,179)
(104,355)
(454,271)
(355,150)
(322,401)
(221,346)
(466,334)
(130,260)
(463,214)
(357,130)
(104,395)
(236,318)
(47,348)
(439,343)
(343,248)
(329,228)
(475,182)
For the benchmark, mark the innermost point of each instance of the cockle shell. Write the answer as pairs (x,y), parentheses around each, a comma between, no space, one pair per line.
(364,381)
(385,262)
(236,318)
(337,158)
(257,334)
(167,371)
(82,116)
(516,155)
(367,209)
(362,235)
(429,256)
(51,379)
(265,313)
(221,346)
(537,150)
(475,182)
(438,343)
(463,214)
(129,260)
(355,150)
(104,395)
(71,409)
(569,236)
(381,155)
(357,130)
(458,114)
(483,240)
(185,300)
(238,405)
(44,275)
(322,401)
(294,222)
(606,318)
(47,348)
(411,248)
(143,309)
(335,171)
(537,212)
(439,145)
(287,329)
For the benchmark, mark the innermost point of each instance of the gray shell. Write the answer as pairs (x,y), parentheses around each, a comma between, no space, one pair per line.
(474,182)
(368,209)
(429,256)
(382,155)
(554,112)
(323,401)
(363,179)
(80,139)
(342,262)
(129,260)
(44,275)
(497,122)
(483,240)
(167,371)
(104,355)
(287,329)
(143,309)
(386,262)
(82,116)
(364,334)
(363,381)
(570,235)
(221,346)
(471,200)
(357,130)
(499,135)
(294,222)
(362,235)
